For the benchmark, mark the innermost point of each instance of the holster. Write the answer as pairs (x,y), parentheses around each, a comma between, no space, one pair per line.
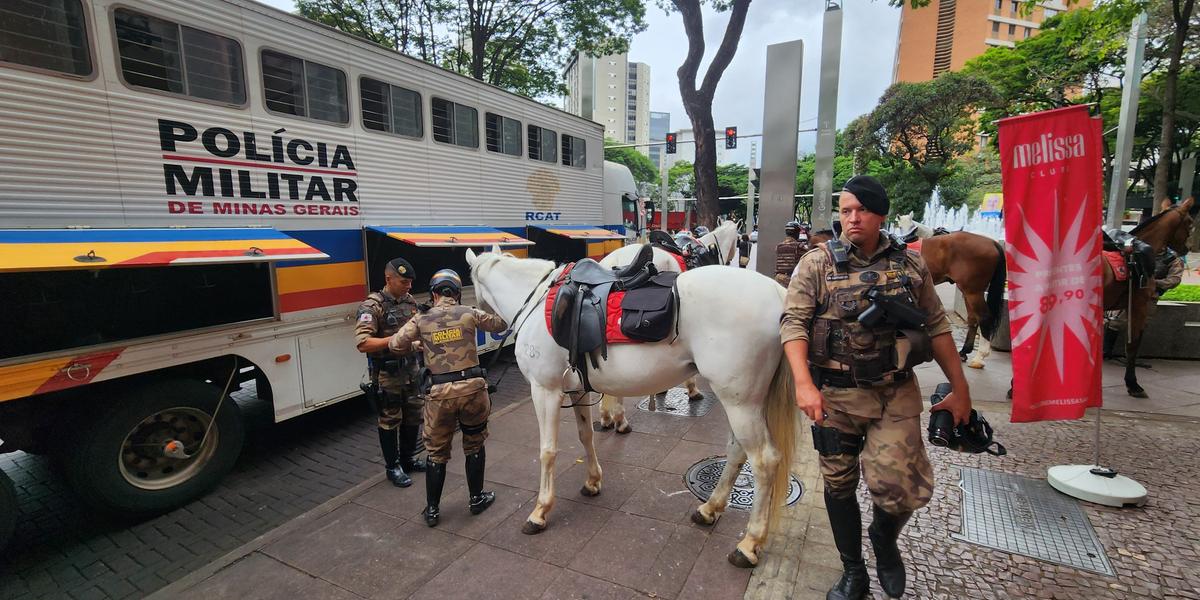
(371,391)
(426,381)
(830,441)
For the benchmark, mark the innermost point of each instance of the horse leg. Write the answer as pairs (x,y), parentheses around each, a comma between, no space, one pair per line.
(976,310)
(583,420)
(607,409)
(1137,319)
(707,513)
(750,429)
(614,406)
(693,391)
(546,404)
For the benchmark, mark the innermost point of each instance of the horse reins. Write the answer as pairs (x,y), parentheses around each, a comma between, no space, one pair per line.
(513,331)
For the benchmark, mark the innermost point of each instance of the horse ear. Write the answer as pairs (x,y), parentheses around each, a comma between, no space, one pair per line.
(471,257)
(496,249)
(1190,205)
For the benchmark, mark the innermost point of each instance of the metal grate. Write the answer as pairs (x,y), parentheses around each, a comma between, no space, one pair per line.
(703,476)
(677,403)
(1028,517)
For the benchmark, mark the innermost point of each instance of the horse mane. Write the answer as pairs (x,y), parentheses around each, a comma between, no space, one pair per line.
(1145,224)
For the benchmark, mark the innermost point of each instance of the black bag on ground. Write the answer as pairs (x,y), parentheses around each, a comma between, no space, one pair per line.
(648,312)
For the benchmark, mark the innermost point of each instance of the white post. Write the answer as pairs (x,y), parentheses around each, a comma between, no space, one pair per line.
(1129,106)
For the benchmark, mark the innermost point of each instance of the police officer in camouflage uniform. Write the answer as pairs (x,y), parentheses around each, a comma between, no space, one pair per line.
(855,381)
(457,394)
(787,253)
(394,378)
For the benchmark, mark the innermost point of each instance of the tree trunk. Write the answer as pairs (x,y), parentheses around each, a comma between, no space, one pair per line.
(1182,12)
(708,204)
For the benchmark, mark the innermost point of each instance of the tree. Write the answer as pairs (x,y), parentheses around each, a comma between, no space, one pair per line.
(1181,16)
(681,179)
(697,101)
(519,45)
(643,169)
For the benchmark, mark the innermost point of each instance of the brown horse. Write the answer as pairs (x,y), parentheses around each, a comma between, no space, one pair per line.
(1169,229)
(975,264)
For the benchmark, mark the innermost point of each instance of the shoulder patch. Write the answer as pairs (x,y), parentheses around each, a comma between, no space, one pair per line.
(365,317)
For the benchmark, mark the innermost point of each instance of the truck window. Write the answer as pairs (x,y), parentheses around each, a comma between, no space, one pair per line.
(160,55)
(543,144)
(49,311)
(390,108)
(294,86)
(455,123)
(45,34)
(574,151)
(503,134)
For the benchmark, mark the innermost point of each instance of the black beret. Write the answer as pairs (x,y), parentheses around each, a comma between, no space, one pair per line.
(869,192)
(402,267)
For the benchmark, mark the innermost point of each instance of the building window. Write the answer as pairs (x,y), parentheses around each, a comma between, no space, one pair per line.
(543,144)
(1026,32)
(46,34)
(503,134)
(574,151)
(295,86)
(161,55)
(999,6)
(1049,12)
(1016,6)
(1012,30)
(455,123)
(996,27)
(390,108)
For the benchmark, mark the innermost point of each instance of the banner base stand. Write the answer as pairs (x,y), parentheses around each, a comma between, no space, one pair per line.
(1096,484)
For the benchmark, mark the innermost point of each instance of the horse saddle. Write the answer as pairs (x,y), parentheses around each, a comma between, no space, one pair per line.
(698,256)
(578,315)
(1140,263)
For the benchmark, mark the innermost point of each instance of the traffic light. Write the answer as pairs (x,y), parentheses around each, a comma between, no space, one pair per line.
(670,143)
(730,138)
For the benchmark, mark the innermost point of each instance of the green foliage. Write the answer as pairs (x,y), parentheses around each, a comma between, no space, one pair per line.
(643,169)
(681,179)
(519,45)
(1183,293)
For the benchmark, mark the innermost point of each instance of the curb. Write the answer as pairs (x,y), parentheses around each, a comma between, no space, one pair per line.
(181,585)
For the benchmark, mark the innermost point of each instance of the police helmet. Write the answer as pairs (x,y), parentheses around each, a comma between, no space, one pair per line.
(446,283)
(792,227)
(401,267)
(754,236)
(701,231)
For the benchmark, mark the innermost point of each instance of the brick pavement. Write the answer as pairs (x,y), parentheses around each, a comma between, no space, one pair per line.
(61,549)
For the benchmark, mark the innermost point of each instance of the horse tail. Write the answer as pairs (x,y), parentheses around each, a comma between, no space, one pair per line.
(995,296)
(781,426)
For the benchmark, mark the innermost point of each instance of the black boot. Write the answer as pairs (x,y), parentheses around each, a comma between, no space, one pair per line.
(480,500)
(846,521)
(435,479)
(1110,340)
(389,444)
(408,447)
(884,531)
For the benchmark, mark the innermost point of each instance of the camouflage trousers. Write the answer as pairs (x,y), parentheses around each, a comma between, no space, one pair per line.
(397,408)
(444,415)
(783,279)
(893,457)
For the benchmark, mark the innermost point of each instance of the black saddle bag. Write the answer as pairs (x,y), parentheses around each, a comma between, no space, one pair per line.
(648,312)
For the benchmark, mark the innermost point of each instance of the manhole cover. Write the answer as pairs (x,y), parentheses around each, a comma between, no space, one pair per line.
(677,403)
(703,476)
(1028,517)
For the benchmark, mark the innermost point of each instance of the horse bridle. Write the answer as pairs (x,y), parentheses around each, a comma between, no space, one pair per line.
(513,330)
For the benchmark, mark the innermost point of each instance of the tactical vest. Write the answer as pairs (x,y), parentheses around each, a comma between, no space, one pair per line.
(839,342)
(787,255)
(448,338)
(396,312)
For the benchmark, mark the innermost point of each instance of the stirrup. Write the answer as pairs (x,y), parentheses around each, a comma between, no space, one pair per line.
(575,394)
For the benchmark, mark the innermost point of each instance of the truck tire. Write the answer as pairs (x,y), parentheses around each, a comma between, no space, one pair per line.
(116,460)
(8,509)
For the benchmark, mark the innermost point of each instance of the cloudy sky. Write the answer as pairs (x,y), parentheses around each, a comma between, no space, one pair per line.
(868,51)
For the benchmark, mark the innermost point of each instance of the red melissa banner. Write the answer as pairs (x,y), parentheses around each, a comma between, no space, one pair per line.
(1051,166)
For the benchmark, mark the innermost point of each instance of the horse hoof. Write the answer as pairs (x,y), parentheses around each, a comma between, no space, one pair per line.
(699,519)
(698,397)
(600,426)
(624,429)
(739,560)
(1138,393)
(962,357)
(588,492)
(531,528)
(975,364)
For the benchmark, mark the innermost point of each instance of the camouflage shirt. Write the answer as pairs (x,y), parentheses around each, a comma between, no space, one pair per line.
(382,315)
(447,336)
(1173,276)
(787,254)
(807,291)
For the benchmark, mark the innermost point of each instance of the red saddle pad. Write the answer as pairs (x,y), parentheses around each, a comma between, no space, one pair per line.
(1117,262)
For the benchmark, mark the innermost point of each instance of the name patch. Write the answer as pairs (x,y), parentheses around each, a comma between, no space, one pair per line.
(447,335)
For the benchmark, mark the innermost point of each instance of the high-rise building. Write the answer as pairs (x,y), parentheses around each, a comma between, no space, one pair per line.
(612,91)
(660,125)
(944,35)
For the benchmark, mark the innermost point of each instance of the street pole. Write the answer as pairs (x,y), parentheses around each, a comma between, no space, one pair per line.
(781,118)
(1187,174)
(750,188)
(1129,104)
(664,211)
(831,58)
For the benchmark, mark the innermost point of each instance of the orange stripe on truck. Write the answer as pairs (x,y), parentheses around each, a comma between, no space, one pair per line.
(51,375)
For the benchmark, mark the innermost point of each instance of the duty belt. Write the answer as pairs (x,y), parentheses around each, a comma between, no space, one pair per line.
(452,376)
(844,379)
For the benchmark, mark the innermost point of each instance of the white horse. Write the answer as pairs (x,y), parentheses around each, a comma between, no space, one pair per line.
(907,225)
(724,238)
(728,332)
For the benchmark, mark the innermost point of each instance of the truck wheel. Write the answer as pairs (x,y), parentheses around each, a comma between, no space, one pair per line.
(8,509)
(121,457)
